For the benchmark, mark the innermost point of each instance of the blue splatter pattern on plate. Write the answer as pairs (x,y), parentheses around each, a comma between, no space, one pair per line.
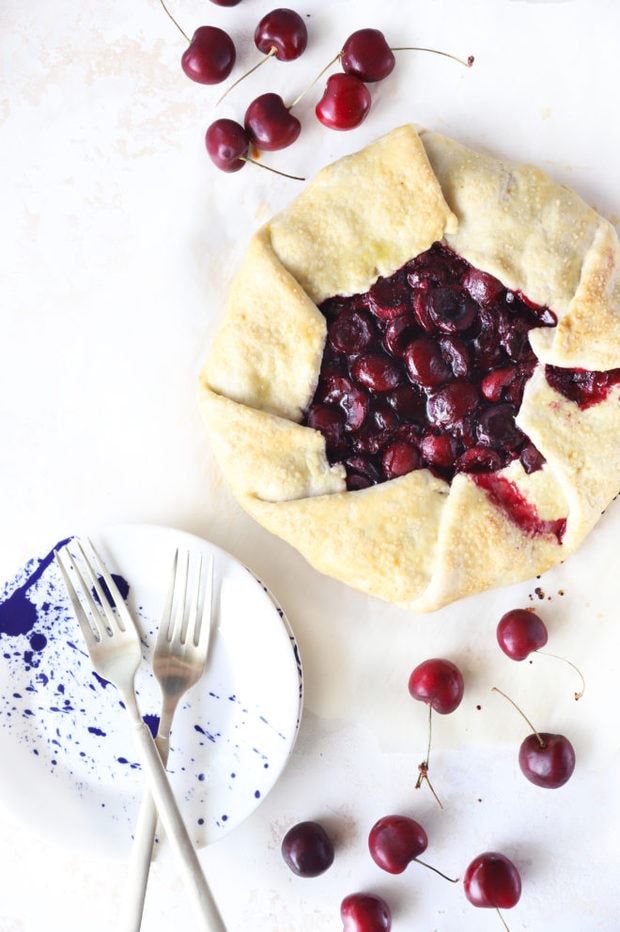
(70,765)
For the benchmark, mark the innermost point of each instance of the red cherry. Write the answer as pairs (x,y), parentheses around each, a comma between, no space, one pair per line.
(493,881)
(399,458)
(365,912)
(307,849)
(282,33)
(367,55)
(394,841)
(345,102)
(210,56)
(547,760)
(438,683)
(226,2)
(520,632)
(270,124)
(227,144)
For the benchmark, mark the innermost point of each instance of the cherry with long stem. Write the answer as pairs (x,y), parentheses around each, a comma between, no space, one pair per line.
(210,53)
(546,759)
(282,34)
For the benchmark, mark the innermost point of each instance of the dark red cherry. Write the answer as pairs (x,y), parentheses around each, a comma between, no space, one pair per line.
(439,683)
(438,450)
(388,299)
(330,420)
(478,459)
(345,102)
(367,55)
(365,912)
(520,632)
(226,2)
(425,364)
(270,124)
(481,286)
(450,310)
(282,33)
(493,881)
(227,144)
(547,760)
(394,841)
(449,404)
(210,56)
(377,372)
(307,849)
(352,332)
(399,458)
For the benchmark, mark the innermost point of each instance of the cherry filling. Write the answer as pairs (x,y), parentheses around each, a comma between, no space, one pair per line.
(427,370)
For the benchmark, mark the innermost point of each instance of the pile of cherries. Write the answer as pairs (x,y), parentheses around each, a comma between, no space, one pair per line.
(269,124)
(491,879)
(426,370)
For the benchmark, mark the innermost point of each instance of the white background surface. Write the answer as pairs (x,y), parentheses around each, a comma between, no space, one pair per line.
(118,240)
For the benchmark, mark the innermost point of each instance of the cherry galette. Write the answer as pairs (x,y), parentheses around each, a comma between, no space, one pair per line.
(417,379)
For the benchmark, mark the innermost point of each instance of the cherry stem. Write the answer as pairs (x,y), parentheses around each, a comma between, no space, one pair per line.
(423,767)
(416,48)
(504,923)
(521,713)
(318,78)
(436,870)
(246,158)
(579,694)
(169,14)
(272,51)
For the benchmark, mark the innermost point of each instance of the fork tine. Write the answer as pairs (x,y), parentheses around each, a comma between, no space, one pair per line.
(180,594)
(120,617)
(201,621)
(90,634)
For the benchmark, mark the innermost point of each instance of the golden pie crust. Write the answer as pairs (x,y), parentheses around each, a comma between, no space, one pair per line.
(416,540)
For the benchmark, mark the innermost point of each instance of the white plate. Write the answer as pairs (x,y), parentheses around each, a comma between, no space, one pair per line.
(70,768)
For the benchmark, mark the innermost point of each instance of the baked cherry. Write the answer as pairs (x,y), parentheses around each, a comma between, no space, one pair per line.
(439,683)
(365,912)
(307,849)
(396,840)
(269,123)
(227,144)
(345,102)
(444,329)
(546,759)
(210,55)
(492,881)
(520,632)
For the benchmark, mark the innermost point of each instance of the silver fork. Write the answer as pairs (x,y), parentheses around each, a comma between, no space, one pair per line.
(178,663)
(115,651)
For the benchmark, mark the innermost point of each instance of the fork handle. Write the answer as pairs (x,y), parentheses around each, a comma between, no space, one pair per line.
(142,852)
(176,830)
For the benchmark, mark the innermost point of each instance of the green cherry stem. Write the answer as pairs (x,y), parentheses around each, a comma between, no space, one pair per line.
(468,62)
(170,16)
(494,689)
(246,158)
(579,694)
(423,767)
(272,51)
